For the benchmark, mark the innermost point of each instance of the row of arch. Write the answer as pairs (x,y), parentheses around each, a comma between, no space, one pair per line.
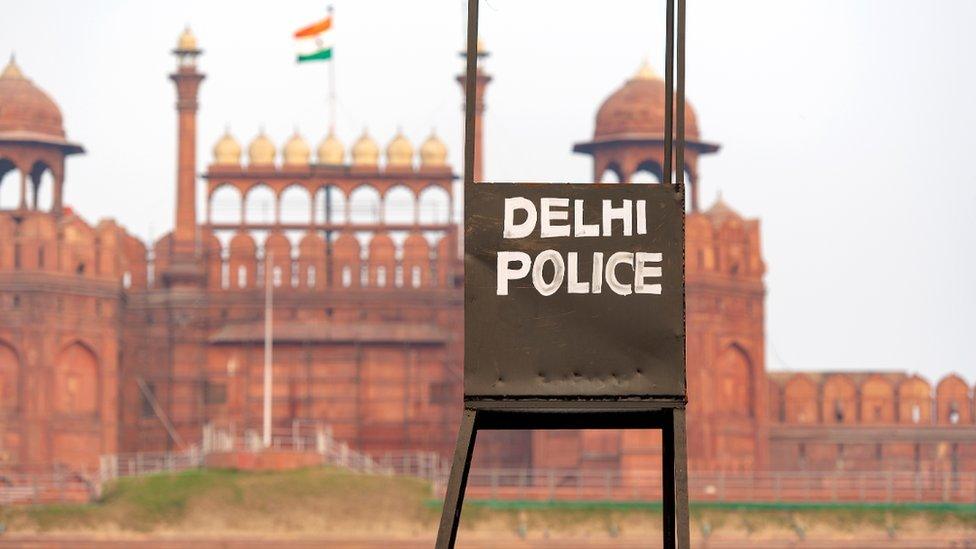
(75,382)
(316,260)
(838,399)
(729,246)
(33,189)
(295,204)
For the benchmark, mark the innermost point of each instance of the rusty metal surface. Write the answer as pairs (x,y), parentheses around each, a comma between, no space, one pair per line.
(526,344)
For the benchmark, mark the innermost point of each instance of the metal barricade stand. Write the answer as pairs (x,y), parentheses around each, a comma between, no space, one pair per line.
(510,385)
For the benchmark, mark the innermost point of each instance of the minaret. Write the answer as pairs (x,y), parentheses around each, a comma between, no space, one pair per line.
(187,80)
(481,82)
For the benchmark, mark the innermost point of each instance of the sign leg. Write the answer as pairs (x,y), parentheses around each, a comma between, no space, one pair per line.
(667,480)
(451,514)
(681,479)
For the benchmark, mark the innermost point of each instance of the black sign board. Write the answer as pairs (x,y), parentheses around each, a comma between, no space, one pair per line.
(573,290)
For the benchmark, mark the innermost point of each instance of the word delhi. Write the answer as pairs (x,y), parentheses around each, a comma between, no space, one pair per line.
(552,217)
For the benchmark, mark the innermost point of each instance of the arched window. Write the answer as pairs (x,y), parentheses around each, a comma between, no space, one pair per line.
(648,172)
(9,185)
(259,206)
(330,205)
(434,206)
(77,381)
(611,174)
(242,277)
(40,188)
(398,206)
(733,382)
(346,276)
(296,205)
(225,205)
(364,205)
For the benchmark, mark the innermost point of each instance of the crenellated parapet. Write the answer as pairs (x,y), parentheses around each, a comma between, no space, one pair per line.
(868,398)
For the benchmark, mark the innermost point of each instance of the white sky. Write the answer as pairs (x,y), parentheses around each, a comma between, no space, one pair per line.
(845,124)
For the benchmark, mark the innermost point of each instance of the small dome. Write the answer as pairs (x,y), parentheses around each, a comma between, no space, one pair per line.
(26,108)
(296,151)
(227,151)
(433,152)
(186,42)
(400,151)
(261,151)
(637,109)
(331,150)
(365,152)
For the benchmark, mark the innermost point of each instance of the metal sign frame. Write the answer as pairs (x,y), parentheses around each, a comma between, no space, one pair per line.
(632,411)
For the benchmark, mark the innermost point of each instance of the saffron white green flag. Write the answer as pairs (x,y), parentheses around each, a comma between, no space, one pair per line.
(315,41)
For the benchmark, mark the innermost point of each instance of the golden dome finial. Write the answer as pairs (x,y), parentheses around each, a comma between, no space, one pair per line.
(433,151)
(400,151)
(227,151)
(646,72)
(365,152)
(331,151)
(187,41)
(296,151)
(261,151)
(12,70)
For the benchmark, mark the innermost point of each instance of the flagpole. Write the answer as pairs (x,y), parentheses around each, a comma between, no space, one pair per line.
(268,339)
(332,86)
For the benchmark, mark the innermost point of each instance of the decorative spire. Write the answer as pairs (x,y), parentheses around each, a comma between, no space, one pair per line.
(645,71)
(12,70)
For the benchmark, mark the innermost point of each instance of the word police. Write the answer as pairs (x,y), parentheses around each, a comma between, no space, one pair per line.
(549,271)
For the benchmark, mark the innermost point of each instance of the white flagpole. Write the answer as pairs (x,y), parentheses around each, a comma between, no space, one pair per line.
(268,379)
(332,86)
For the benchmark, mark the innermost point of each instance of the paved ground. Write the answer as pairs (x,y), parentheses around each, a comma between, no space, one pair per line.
(83,543)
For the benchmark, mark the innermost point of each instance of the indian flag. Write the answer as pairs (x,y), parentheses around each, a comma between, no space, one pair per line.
(315,41)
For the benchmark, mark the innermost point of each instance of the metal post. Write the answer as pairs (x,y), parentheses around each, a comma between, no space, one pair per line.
(268,327)
(447,531)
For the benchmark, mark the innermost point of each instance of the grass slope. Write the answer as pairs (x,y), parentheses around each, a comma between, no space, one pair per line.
(324,501)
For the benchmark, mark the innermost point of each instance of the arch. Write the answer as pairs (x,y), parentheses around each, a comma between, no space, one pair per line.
(914,401)
(732,383)
(311,262)
(278,250)
(9,375)
(225,204)
(648,172)
(952,401)
(40,189)
(242,261)
(10,178)
(260,205)
(295,205)
(877,400)
(399,206)
(800,400)
(214,259)
(364,205)
(612,174)
(448,263)
(382,261)
(416,261)
(839,404)
(434,206)
(346,261)
(330,205)
(76,380)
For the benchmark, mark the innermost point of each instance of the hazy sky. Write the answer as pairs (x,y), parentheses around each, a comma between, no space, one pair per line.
(846,128)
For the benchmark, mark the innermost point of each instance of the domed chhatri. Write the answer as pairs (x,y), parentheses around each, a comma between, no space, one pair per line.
(399,153)
(433,152)
(296,151)
(720,212)
(227,151)
(331,151)
(261,151)
(365,152)
(25,108)
(637,109)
